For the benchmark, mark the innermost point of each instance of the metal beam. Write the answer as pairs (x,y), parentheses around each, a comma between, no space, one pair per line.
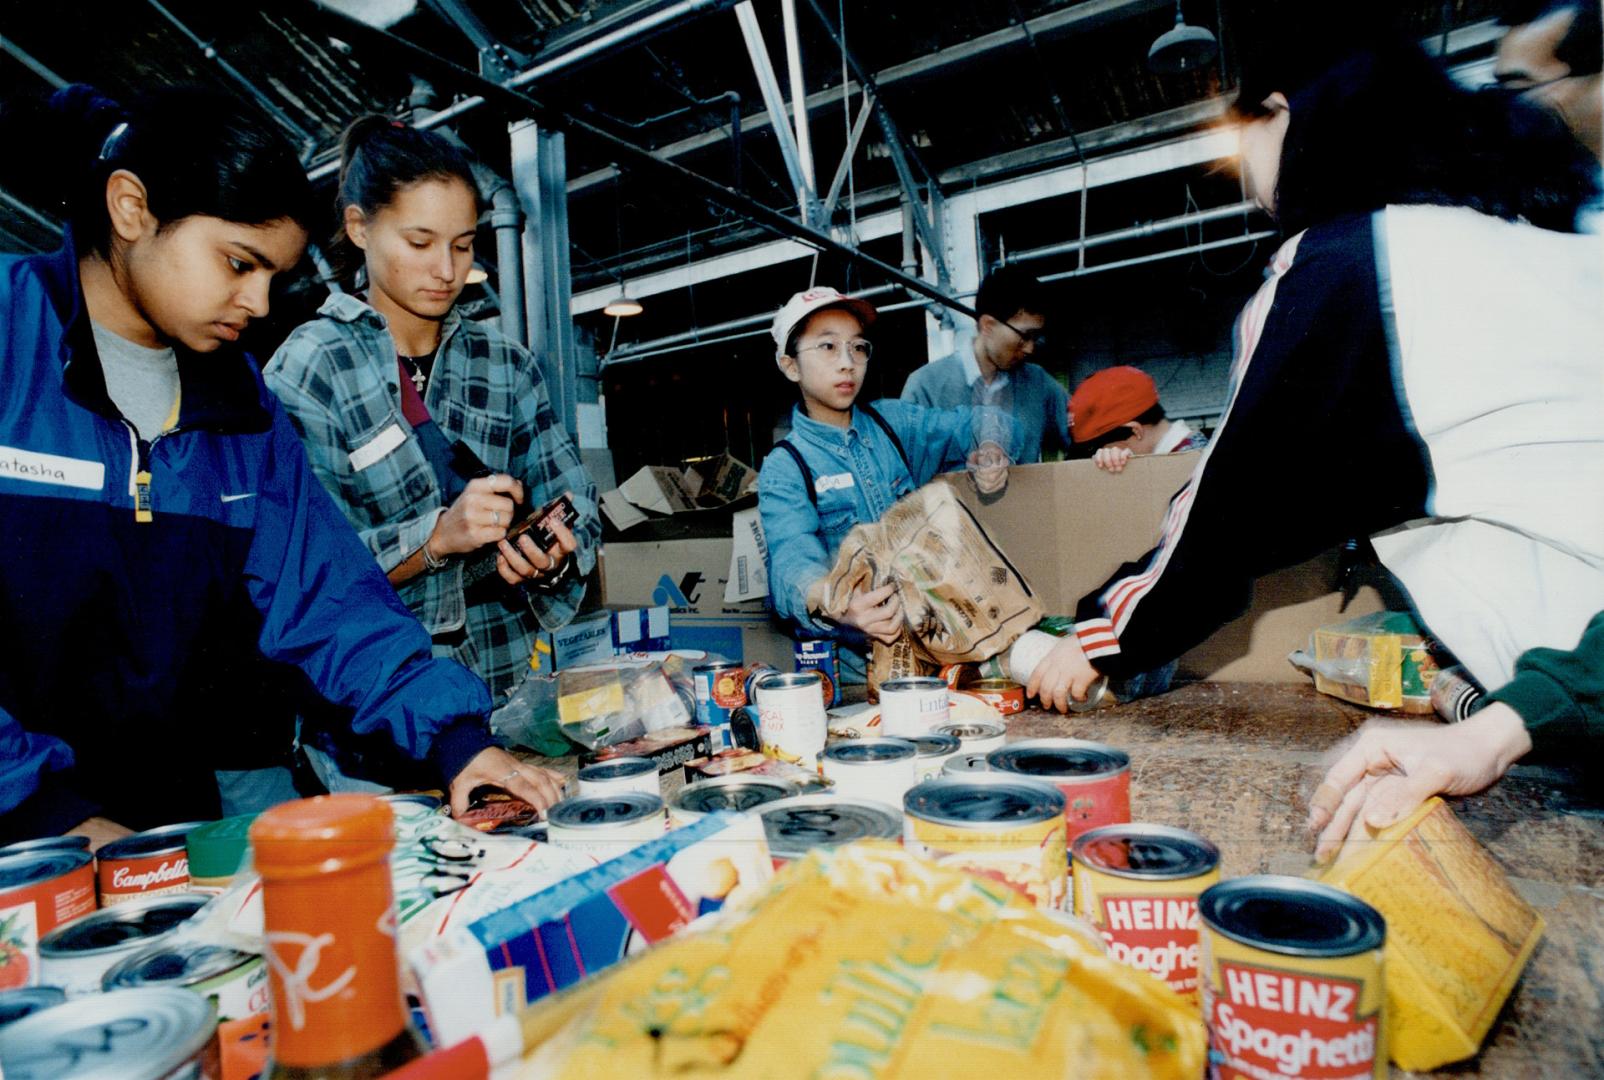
(21,208)
(1135,232)
(539,159)
(865,111)
(774,104)
(21,56)
(1157,256)
(799,105)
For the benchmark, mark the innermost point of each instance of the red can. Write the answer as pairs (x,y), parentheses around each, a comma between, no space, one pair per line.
(1004,695)
(1095,779)
(39,891)
(145,864)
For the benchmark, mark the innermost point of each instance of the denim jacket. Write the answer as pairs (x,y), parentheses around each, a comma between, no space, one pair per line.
(858,475)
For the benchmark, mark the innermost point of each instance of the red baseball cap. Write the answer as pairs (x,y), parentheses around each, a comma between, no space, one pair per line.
(1108,399)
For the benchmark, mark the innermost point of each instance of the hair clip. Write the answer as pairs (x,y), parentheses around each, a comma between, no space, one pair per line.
(110,145)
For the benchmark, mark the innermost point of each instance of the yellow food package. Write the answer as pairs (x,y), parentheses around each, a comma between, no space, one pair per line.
(867,961)
(1458,934)
(1382,660)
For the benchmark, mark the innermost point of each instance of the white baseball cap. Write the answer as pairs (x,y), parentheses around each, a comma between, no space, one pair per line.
(803,304)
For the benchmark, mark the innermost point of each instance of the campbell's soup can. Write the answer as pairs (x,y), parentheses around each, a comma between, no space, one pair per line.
(1095,779)
(1139,884)
(879,769)
(145,864)
(620,774)
(1005,828)
(155,1033)
(235,981)
(791,723)
(821,656)
(805,823)
(77,956)
(916,705)
(39,891)
(1292,981)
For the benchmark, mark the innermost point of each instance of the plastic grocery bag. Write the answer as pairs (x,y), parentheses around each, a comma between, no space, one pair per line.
(606,704)
(528,717)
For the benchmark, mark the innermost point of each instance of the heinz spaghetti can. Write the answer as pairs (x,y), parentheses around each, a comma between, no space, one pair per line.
(39,891)
(1095,779)
(1139,884)
(145,864)
(800,824)
(1005,828)
(821,656)
(1292,981)
(878,769)
(791,724)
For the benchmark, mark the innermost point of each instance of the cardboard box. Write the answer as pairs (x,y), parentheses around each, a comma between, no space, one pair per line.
(1068,525)
(601,635)
(656,488)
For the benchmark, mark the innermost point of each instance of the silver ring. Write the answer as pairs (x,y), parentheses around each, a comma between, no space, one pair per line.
(495,516)
(509,776)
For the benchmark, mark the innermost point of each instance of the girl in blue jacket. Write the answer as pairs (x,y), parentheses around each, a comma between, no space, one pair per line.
(153,496)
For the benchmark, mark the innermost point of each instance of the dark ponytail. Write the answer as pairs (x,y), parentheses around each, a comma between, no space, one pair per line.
(197,152)
(378,158)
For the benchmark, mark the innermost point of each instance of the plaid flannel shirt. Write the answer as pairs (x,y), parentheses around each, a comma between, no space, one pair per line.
(338,379)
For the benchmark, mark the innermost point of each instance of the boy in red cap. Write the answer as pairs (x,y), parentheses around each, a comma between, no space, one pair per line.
(1115,414)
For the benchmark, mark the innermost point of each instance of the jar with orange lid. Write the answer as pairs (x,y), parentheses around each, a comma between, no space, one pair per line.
(329,920)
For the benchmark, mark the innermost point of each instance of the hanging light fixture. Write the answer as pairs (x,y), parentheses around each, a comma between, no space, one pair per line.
(1182,48)
(623,305)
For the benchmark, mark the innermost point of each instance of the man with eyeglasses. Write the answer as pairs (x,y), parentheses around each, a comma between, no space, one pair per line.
(996,370)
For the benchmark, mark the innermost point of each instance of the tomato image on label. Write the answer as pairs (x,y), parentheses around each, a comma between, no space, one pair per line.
(1265,1022)
(17,935)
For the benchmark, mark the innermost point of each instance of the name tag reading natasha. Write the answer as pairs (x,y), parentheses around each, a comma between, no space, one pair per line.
(19,464)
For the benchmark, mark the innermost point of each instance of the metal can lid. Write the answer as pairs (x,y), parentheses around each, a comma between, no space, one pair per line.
(620,768)
(1146,852)
(729,793)
(934,745)
(1292,916)
(983,801)
(716,665)
(1060,759)
(140,1034)
(27,1000)
(167,840)
(907,683)
(601,811)
(115,928)
(779,680)
(962,763)
(45,843)
(870,751)
(797,825)
(31,867)
(181,963)
(217,849)
(972,730)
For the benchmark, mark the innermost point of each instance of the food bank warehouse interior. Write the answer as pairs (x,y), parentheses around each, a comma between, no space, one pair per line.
(801,538)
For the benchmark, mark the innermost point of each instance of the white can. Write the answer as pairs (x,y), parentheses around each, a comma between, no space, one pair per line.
(913,706)
(739,793)
(603,826)
(155,1033)
(77,956)
(791,724)
(878,769)
(620,774)
(965,762)
(236,981)
(934,752)
(976,736)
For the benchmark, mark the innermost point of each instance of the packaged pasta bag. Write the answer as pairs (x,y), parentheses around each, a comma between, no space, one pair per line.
(868,961)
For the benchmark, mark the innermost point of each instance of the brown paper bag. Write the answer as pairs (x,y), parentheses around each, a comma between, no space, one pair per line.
(962,600)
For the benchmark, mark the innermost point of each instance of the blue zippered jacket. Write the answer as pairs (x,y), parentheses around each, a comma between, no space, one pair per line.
(106,621)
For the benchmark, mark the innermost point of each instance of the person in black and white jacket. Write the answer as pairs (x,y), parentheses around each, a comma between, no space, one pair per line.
(1430,314)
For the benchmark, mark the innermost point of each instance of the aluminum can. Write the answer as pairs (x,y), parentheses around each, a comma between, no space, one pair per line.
(1139,884)
(39,891)
(145,864)
(720,686)
(879,769)
(1005,828)
(754,674)
(963,763)
(605,825)
(235,981)
(27,1000)
(1455,695)
(1095,779)
(45,843)
(77,956)
(934,752)
(821,656)
(739,793)
(804,823)
(1004,695)
(791,723)
(913,706)
(156,1033)
(1292,980)
(620,774)
(976,736)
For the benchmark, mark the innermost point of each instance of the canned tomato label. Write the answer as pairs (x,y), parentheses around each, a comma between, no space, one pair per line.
(1292,981)
(820,656)
(605,825)
(1004,695)
(1005,828)
(620,774)
(878,769)
(39,891)
(1139,884)
(145,864)
(798,825)
(977,736)
(791,723)
(913,706)
(77,956)
(152,1032)
(738,793)
(235,981)
(1095,779)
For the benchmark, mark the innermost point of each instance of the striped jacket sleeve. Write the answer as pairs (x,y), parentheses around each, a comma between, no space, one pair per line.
(1315,447)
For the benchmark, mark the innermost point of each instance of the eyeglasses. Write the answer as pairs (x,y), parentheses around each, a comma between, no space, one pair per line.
(1036,337)
(861,350)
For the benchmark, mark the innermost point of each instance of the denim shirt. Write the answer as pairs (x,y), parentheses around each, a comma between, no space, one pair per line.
(858,475)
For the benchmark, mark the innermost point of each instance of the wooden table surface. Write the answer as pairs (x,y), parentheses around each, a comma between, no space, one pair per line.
(1237,762)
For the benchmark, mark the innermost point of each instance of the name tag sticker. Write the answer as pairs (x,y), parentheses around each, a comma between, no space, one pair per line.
(838,482)
(378,448)
(18,464)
